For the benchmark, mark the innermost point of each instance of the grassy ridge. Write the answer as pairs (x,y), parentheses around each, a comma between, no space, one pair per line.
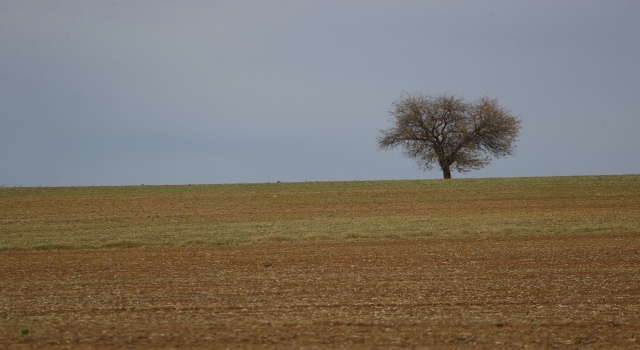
(94,217)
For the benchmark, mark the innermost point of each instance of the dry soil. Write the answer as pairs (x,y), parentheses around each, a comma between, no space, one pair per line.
(570,291)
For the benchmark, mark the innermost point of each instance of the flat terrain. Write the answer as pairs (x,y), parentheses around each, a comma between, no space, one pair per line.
(96,217)
(468,263)
(570,291)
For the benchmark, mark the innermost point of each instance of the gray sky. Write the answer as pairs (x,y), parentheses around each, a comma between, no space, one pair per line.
(175,92)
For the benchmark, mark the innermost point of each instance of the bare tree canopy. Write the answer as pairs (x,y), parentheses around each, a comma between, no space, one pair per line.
(445,130)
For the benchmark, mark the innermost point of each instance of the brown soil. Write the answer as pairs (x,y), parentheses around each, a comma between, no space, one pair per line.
(575,291)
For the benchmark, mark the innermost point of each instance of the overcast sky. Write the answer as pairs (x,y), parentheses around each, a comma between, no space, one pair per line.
(176,92)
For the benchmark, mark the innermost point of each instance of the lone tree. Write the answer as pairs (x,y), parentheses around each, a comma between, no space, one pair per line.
(447,131)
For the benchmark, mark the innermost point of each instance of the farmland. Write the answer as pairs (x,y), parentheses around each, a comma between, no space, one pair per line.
(482,263)
(154,216)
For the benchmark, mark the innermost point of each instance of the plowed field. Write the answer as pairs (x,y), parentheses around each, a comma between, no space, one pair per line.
(569,291)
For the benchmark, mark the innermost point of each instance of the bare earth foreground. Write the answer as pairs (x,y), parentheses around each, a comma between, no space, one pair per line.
(569,291)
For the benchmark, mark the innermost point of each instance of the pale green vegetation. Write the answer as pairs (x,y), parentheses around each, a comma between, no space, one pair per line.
(154,216)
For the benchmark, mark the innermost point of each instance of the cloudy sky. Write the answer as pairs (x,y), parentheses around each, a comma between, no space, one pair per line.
(175,92)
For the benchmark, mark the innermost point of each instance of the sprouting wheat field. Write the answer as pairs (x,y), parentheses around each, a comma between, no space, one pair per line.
(94,217)
(480,263)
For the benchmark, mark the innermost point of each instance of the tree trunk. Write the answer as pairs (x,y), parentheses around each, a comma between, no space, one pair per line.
(446,171)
